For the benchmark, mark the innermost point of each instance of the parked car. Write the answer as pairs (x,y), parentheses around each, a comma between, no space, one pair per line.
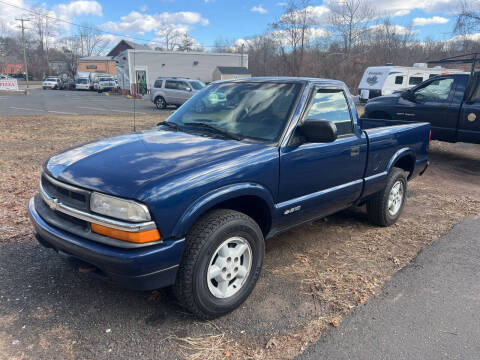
(190,202)
(68,84)
(384,80)
(451,103)
(173,91)
(104,83)
(53,83)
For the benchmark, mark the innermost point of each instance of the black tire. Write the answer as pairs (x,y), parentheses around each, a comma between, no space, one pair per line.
(203,240)
(378,205)
(160,103)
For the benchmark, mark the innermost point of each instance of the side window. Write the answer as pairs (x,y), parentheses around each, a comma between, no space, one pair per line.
(171,84)
(182,85)
(437,90)
(158,84)
(398,80)
(415,80)
(332,105)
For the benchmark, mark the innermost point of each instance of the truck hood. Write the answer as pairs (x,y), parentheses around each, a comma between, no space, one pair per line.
(131,164)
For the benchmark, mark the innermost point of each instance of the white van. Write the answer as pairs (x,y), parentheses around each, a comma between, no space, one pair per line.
(385,80)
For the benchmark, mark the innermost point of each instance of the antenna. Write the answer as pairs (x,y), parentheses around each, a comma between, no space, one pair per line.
(22,20)
(135,91)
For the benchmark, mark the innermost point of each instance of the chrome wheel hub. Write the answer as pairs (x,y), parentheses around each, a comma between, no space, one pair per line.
(229,267)
(395,198)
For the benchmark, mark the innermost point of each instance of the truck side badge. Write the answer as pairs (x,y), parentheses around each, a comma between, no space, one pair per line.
(291,210)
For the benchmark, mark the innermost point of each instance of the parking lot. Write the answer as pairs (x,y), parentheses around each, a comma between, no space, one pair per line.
(65,102)
(314,275)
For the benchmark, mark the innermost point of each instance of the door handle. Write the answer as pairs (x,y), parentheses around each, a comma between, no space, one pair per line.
(355,151)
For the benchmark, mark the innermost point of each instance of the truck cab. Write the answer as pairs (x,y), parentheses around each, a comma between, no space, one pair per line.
(451,103)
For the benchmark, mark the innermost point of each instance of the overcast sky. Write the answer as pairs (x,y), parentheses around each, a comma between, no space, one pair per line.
(207,20)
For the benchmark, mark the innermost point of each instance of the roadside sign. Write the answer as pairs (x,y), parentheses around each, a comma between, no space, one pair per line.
(8,84)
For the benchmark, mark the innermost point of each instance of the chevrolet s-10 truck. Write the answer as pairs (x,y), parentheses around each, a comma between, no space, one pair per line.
(189,203)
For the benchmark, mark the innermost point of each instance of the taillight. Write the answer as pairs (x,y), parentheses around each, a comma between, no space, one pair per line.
(429,137)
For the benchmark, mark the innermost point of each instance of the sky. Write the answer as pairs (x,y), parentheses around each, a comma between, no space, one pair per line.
(208,20)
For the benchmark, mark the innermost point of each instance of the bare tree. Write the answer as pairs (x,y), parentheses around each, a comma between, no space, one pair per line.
(468,18)
(169,37)
(186,44)
(91,40)
(351,21)
(291,31)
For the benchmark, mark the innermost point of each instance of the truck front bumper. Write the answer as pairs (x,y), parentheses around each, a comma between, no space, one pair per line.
(144,268)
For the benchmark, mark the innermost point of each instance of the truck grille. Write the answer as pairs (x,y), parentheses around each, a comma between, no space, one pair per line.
(68,195)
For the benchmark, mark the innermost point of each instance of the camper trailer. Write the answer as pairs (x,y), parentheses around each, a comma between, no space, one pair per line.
(385,80)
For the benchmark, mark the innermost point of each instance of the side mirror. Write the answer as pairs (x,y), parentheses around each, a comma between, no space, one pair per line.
(408,95)
(319,131)
(188,89)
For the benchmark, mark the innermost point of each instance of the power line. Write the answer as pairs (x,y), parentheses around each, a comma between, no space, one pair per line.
(89,27)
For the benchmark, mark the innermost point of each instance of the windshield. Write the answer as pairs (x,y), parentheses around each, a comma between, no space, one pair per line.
(197,85)
(50,79)
(106,79)
(244,109)
(81,81)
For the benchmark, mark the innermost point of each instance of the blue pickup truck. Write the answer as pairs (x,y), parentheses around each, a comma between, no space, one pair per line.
(450,102)
(189,203)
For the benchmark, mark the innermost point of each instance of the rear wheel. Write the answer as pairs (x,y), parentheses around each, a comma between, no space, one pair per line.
(160,103)
(386,206)
(221,264)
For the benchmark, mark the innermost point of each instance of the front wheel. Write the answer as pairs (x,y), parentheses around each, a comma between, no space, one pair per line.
(221,263)
(160,103)
(386,206)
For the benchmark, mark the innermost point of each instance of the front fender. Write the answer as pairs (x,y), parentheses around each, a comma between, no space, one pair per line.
(215,197)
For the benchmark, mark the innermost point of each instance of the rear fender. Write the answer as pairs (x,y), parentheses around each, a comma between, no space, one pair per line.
(402,153)
(217,196)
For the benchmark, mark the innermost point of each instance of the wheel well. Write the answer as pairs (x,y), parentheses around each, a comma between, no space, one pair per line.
(406,163)
(380,115)
(159,96)
(252,206)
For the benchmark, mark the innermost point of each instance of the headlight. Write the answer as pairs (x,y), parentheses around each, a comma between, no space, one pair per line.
(119,208)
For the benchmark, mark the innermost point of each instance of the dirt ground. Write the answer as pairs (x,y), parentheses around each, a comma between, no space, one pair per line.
(313,277)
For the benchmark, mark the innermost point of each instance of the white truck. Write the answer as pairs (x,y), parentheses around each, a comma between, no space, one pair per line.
(385,80)
(83,81)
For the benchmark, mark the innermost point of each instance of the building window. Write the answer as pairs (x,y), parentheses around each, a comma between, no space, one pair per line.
(91,66)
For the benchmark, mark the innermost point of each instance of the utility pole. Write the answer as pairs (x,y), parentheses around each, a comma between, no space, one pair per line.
(22,20)
(241,51)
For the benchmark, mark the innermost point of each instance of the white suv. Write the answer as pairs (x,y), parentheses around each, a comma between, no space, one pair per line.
(52,83)
(173,91)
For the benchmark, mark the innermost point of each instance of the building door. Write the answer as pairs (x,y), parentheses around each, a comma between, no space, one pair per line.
(141,82)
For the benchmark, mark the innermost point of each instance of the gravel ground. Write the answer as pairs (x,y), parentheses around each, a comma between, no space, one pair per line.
(314,275)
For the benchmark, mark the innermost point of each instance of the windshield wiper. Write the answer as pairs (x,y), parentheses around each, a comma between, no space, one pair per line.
(214,128)
(170,124)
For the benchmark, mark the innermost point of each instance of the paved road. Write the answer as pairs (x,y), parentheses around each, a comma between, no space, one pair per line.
(41,102)
(429,310)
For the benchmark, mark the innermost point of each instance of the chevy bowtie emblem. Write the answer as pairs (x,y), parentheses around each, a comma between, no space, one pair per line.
(53,204)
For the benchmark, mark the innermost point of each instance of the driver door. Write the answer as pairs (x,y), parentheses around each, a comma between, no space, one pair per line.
(317,179)
(432,103)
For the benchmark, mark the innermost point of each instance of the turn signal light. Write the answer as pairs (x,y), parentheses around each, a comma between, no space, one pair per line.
(134,237)
(430,137)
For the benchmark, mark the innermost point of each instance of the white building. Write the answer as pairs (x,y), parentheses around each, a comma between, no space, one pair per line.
(147,65)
